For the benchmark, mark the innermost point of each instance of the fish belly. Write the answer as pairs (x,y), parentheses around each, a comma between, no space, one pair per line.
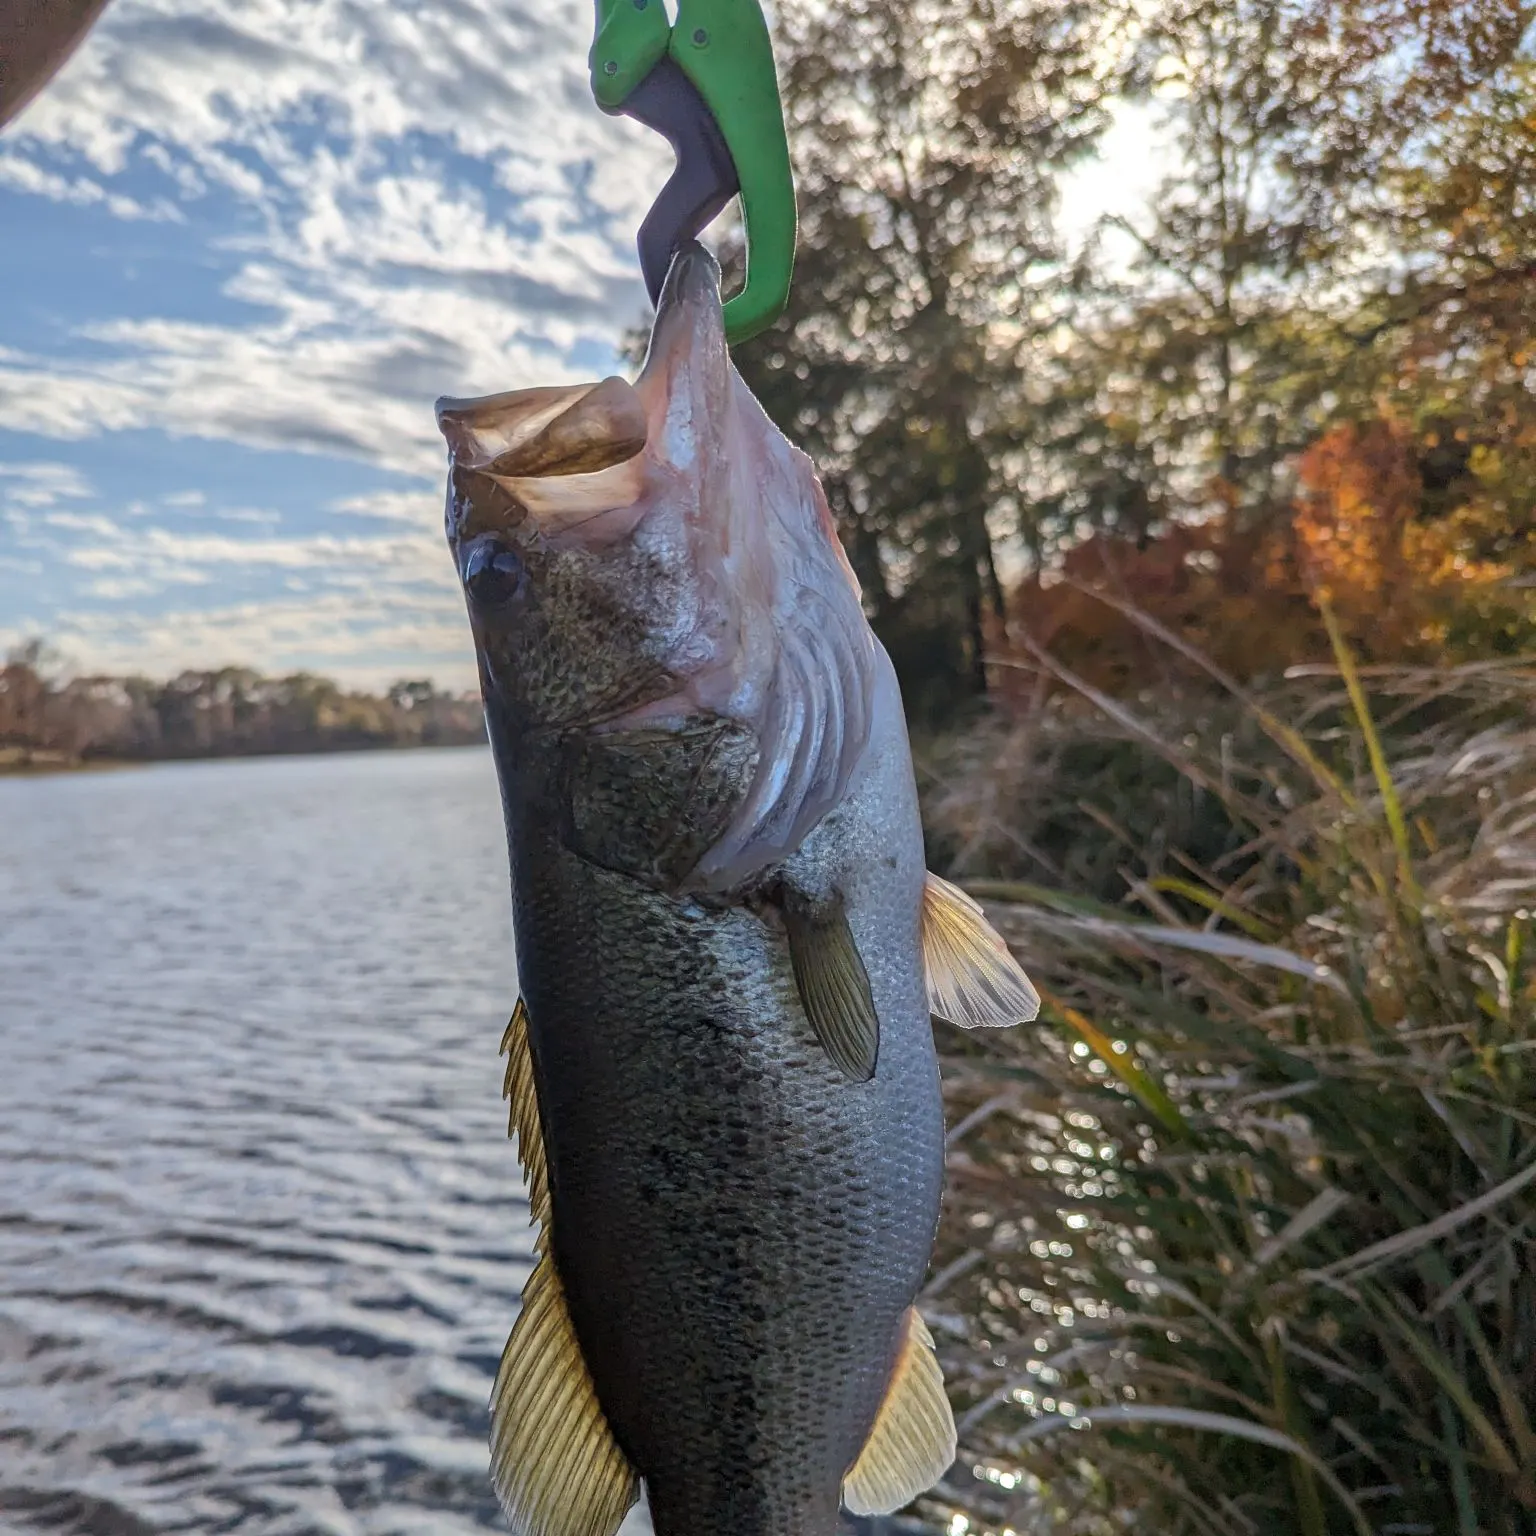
(739,1227)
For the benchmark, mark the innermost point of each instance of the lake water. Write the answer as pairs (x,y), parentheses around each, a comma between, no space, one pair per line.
(262,1233)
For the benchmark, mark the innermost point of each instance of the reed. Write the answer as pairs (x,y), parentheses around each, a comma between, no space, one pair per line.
(1242,1237)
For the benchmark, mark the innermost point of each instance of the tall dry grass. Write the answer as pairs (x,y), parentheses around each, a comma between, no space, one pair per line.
(1242,1237)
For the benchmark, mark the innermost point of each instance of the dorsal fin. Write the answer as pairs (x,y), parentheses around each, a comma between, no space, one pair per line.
(523,1118)
(973,979)
(912,1444)
(557,1468)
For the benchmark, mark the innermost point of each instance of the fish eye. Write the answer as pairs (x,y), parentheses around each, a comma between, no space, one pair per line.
(493,573)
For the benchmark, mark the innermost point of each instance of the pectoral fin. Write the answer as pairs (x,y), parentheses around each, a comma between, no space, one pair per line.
(973,979)
(913,1442)
(557,1468)
(834,987)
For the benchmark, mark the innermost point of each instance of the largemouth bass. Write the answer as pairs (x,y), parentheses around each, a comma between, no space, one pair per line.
(722,1067)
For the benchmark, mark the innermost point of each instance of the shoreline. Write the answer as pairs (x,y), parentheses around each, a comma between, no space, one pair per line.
(16,763)
(42,765)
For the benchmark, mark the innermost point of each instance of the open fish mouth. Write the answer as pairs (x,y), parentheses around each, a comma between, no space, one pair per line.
(568,454)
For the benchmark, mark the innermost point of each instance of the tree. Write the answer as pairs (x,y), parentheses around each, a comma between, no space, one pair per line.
(925,140)
(1347,244)
(24,688)
(1232,339)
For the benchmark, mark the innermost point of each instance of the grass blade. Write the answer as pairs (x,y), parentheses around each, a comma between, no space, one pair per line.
(1211,1423)
(1390,801)
(1123,1064)
(1403,1243)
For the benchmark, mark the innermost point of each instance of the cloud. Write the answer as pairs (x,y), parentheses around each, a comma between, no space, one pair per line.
(258,515)
(430,204)
(82,522)
(387,203)
(130,549)
(155,600)
(403,202)
(423,508)
(21,175)
(41,484)
(409,636)
(121,561)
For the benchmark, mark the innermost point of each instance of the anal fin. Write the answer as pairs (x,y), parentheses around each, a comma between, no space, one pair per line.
(973,979)
(912,1444)
(834,986)
(557,1469)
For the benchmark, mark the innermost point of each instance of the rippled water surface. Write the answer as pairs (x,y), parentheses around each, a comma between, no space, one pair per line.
(261,1230)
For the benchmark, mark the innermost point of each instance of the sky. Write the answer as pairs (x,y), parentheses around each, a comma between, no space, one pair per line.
(244,245)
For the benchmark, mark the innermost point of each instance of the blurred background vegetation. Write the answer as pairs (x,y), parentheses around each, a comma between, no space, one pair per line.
(1206,552)
(52,718)
(1308,363)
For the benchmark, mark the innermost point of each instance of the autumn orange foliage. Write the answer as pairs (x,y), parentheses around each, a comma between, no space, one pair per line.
(1412,575)
(1234,594)
(1404,582)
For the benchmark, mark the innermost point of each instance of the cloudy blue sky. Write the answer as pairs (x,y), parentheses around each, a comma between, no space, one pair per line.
(243,246)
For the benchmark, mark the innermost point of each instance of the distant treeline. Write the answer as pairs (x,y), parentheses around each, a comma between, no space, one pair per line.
(47,718)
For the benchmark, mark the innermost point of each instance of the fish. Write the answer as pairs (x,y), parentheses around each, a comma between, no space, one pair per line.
(721,1067)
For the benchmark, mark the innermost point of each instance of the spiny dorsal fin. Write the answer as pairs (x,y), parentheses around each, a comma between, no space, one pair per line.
(523,1118)
(973,980)
(834,987)
(913,1442)
(557,1469)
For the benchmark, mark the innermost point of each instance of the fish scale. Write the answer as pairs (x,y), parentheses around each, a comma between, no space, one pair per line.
(739,1228)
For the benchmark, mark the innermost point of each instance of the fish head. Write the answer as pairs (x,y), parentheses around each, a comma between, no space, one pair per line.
(650,556)
(542,488)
